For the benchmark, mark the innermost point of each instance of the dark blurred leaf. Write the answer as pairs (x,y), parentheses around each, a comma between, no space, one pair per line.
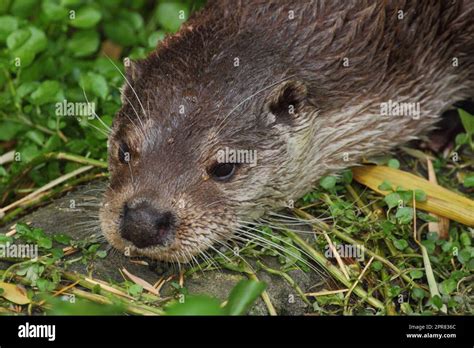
(196,305)
(86,17)
(8,24)
(243,295)
(95,84)
(83,43)
(170,15)
(47,92)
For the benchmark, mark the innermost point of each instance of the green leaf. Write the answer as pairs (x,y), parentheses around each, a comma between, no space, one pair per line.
(196,305)
(9,130)
(57,253)
(17,38)
(347,176)
(36,136)
(392,199)
(461,139)
(400,244)
(328,182)
(4,239)
(416,274)
(48,92)
(394,291)
(82,307)
(469,180)
(437,301)
(470,265)
(26,88)
(377,266)
(86,17)
(135,289)
(53,11)
(25,44)
(467,121)
(418,293)
(8,24)
(404,215)
(23,8)
(62,238)
(420,195)
(119,30)
(243,295)
(45,285)
(83,43)
(101,254)
(465,239)
(155,37)
(94,83)
(385,186)
(168,15)
(393,163)
(45,243)
(406,195)
(464,255)
(447,286)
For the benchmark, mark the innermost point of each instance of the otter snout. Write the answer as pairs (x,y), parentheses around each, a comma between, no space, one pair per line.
(146,226)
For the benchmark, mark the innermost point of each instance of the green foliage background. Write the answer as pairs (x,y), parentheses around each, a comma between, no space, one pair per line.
(51,50)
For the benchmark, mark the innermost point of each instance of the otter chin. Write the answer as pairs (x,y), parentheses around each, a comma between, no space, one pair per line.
(298,85)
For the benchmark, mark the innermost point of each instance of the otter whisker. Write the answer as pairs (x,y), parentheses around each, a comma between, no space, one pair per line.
(108,129)
(248,225)
(140,129)
(100,190)
(291,217)
(280,251)
(316,218)
(208,259)
(225,245)
(286,226)
(249,239)
(133,90)
(210,246)
(97,129)
(279,247)
(194,260)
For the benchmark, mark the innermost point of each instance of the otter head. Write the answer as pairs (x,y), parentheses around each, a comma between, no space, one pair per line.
(193,157)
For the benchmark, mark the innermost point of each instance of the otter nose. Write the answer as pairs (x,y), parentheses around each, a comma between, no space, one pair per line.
(145,226)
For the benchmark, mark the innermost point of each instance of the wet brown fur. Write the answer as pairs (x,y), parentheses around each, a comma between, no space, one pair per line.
(337,111)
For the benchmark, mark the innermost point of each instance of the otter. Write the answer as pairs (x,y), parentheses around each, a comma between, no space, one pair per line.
(310,87)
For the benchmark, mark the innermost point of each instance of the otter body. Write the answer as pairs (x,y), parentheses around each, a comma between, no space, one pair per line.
(308,86)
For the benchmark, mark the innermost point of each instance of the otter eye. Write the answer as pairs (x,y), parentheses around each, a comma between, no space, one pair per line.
(222,171)
(124,153)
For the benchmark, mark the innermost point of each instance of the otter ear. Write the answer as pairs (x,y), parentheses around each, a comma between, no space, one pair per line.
(133,72)
(286,101)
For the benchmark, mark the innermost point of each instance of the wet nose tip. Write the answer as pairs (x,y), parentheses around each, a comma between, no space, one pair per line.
(145,226)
